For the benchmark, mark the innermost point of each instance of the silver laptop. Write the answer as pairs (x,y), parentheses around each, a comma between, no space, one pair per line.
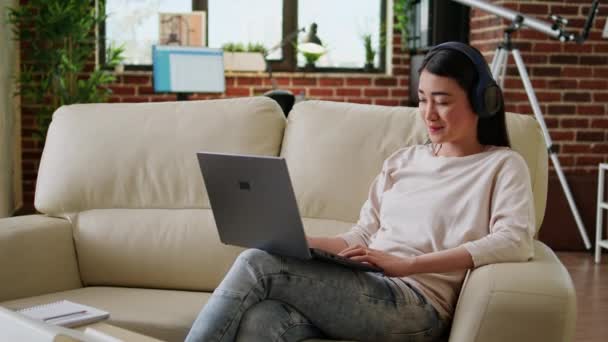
(254,206)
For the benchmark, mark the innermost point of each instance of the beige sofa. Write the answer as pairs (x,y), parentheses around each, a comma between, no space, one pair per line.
(127,225)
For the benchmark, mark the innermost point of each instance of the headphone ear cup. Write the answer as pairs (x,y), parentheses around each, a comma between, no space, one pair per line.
(492,98)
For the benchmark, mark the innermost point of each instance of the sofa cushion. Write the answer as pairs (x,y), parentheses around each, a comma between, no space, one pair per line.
(36,256)
(537,298)
(144,155)
(160,248)
(163,314)
(527,139)
(322,227)
(152,248)
(334,151)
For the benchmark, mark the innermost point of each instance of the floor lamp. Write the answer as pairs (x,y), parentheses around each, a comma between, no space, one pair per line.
(499,66)
(310,44)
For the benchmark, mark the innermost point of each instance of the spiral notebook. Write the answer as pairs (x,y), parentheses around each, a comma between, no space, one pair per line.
(65,313)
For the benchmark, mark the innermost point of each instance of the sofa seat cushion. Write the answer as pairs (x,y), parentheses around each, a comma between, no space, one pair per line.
(163,314)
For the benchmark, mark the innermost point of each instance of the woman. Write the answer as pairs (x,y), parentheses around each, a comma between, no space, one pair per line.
(460,201)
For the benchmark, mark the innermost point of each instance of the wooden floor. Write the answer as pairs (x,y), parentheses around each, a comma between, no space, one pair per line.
(591,283)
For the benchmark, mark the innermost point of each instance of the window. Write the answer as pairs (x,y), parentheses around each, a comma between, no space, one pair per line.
(246,22)
(341,27)
(435,22)
(134,25)
(341,34)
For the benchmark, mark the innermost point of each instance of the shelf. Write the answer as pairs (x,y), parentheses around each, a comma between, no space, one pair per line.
(601,205)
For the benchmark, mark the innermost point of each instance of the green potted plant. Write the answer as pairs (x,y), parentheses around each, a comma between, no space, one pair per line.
(370,53)
(238,57)
(403,11)
(60,35)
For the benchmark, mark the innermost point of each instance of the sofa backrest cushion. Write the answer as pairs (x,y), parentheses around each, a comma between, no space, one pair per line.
(158,248)
(144,155)
(334,151)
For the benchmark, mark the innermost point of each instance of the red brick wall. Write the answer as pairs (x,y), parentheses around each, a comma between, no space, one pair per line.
(377,89)
(570,80)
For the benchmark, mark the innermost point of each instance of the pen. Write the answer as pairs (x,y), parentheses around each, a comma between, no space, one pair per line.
(65,315)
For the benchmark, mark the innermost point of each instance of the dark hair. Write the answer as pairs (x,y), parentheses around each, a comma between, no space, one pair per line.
(457,66)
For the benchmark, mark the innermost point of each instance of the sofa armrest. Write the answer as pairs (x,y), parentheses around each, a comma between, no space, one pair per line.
(528,301)
(37,256)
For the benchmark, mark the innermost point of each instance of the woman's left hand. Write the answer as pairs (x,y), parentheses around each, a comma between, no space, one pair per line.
(392,266)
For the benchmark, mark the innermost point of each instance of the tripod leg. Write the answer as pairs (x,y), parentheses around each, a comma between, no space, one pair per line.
(496,61)
(505,61)
(539,117)
(499,65)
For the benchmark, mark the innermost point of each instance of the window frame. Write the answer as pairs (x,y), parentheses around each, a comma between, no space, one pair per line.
(288,63)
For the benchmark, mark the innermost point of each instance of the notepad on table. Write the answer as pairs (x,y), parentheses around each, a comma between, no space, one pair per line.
(65,313)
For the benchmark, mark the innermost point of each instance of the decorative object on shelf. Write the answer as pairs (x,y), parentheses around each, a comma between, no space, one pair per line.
(370,53)
(311,59)
(119,68)
(311,48)
(55,72)
(238,57)
(182,29)
(310,44)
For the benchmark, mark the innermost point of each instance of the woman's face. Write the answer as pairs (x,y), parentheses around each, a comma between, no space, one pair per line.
(447,113)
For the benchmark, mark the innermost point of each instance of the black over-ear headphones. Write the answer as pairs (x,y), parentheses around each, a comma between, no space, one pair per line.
(487,97)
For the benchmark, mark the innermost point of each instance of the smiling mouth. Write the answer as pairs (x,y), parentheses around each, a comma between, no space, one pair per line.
(433,129)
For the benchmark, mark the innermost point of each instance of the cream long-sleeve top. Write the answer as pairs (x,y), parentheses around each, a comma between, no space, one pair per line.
(421,203)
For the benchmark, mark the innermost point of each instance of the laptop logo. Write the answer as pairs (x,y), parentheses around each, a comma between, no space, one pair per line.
(243,185)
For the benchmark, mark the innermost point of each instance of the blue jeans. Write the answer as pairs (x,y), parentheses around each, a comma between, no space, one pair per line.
(265,297)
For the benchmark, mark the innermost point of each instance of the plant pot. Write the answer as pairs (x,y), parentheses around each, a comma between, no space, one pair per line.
(368,67)
(310,67)
(244,61)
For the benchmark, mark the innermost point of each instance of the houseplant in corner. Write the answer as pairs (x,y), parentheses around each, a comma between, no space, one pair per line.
(59,67)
